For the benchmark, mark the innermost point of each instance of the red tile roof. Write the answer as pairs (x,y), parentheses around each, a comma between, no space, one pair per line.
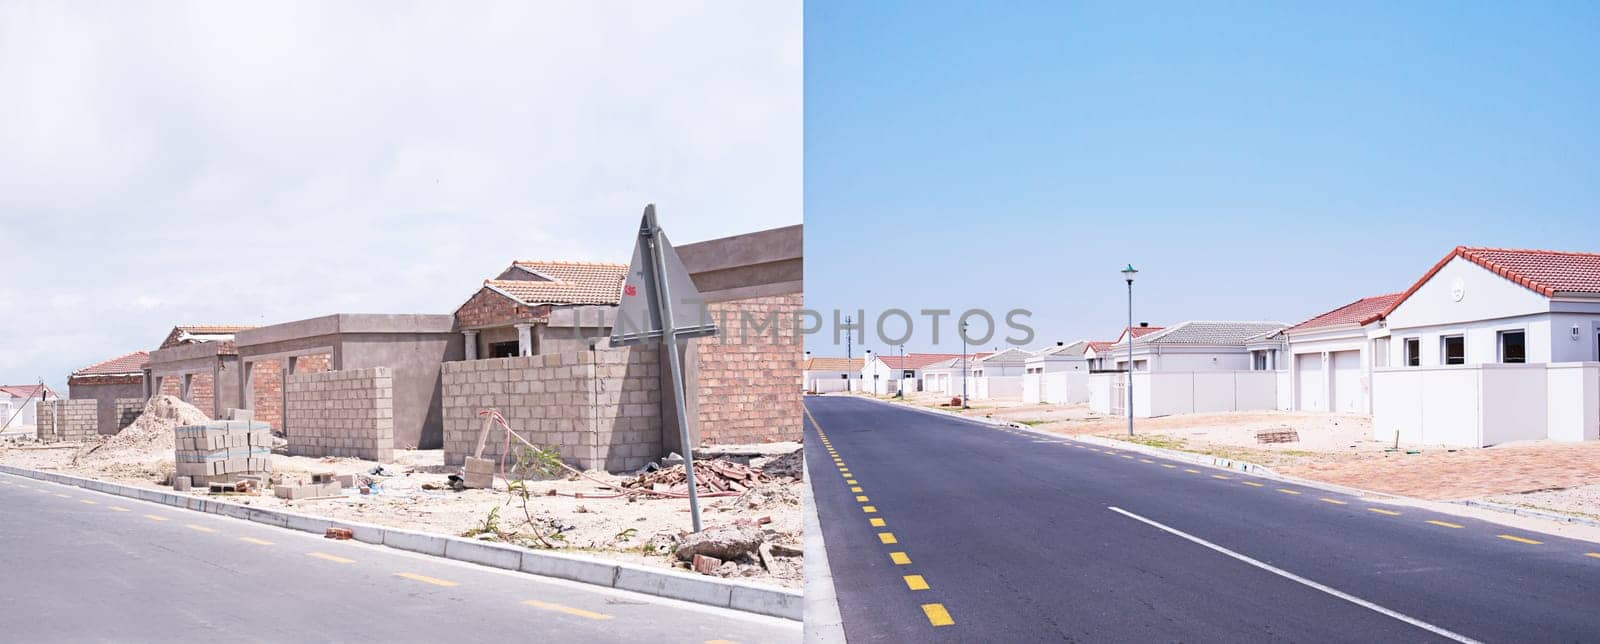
(1546,272)
(25,391)
(920,360)
(566,283)
(1360,312)
(833,364)
(132,363)
(1101,346)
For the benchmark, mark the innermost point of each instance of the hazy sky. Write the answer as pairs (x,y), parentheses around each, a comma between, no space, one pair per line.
(1255,160)
(166,163)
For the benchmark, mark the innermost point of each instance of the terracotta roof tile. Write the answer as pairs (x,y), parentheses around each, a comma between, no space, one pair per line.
(1359,312)
(26,391)
(1546,272)
(132,363)
(833,364)
(918,360)
(565,283)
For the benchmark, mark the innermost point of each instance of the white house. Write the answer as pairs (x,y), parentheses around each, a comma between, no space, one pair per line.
(19,406)
(1057,374)
(1328,360)
(1197,366)
(1491,345)
(884,375)
(829,375)
(999,374)
(951,375)
(1099,353)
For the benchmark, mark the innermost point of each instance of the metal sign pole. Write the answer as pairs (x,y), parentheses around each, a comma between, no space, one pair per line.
(669,336)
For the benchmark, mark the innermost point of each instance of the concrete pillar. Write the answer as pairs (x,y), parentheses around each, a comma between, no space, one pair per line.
(247,385)
(524,339)
(471,344)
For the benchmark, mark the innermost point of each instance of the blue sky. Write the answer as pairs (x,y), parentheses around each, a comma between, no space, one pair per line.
(1253,160)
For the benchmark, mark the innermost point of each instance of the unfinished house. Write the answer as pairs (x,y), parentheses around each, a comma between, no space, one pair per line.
(537,307)
(199,364)
(19,405)
(612,408)
(117,386)
(349,384)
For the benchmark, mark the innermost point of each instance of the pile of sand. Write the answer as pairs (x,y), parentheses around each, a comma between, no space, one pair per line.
(150,436)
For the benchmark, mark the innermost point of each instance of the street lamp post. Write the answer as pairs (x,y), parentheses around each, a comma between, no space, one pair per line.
(1127,273)
(849,360)
(901,387)
(964,365)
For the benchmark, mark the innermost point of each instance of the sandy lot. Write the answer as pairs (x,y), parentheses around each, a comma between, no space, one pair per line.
(615,528)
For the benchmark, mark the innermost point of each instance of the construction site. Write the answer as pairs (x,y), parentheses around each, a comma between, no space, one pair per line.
(512,419)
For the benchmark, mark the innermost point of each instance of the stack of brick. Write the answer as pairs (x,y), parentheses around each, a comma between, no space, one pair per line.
(221,449)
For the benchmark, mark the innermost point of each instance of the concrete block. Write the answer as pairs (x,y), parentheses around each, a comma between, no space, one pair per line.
(674,584)
(787,604)
(428,544)
(564,566)
(180,483)
(487,554)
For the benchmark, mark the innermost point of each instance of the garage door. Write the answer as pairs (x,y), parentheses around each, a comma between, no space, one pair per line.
(1347,381)
(1309,390)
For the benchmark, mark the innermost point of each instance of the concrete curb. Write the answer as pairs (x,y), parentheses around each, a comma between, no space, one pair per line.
(824,623)
(1526,512)
(713,591)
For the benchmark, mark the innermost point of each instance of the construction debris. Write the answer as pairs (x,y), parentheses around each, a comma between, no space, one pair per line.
(1278,436)
(149,434)
(791,465)
(723,542)
(479,473)
(710,476)
(220,449)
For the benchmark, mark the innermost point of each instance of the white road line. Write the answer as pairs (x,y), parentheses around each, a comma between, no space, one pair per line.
(1301,580)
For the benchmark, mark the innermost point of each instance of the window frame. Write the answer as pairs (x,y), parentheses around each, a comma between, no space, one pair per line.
(1500,344)
(1444,348)
(1411,351)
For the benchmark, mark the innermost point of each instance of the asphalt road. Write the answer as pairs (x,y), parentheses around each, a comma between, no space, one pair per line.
(77,565)
(999,535)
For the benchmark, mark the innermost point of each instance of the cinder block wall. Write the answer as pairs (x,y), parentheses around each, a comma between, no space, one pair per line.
(747,388)
(128,410)
(341,413)
(69,420)
(599,409)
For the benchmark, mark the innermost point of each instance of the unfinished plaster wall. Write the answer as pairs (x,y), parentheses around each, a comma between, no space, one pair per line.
(747,379)
(342,413)
(597,408)
(68,420)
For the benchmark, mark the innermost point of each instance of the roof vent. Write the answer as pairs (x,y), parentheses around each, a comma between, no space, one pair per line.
(1144,325)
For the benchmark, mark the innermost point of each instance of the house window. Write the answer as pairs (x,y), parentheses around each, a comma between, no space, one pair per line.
(503,349)
(1260,360)
(1513,347)
(1380,352)
(908,374)
(1453,349)
(1413,352)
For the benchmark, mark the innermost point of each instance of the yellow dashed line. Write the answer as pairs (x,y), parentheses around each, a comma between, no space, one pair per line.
(1126,456)
(1391,513)
(855,489)
(198,528)
(1509,537)
(1219,476)
(117,509)
(937,615)
(328,557)
(1596,555)
(87,501)
(861,499)
(579,612)
(850,481)
(1445,524)
(1169,466)
(869,509)
(1252,484)
(1191,471)
(899,558)
(887,538)
(1333,501)
(259,542)
(1146,460)
(1288,491)
(63,495)
(426,579)
(875,522)
(916,582)
(155,517)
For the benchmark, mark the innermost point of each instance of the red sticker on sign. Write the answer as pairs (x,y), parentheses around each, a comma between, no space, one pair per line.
(629,290)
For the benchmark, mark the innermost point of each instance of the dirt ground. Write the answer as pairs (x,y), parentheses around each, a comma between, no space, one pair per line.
(614,528)
(1339,449)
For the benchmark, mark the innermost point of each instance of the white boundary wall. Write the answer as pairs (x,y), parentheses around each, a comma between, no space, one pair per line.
(1487,404)
(1008,387)
(1165,393)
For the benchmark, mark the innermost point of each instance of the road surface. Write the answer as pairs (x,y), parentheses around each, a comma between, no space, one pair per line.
(78,565)
(942,529)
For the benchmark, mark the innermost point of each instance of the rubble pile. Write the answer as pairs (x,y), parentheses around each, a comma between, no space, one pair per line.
(790,465)
(716,475)
(151,434)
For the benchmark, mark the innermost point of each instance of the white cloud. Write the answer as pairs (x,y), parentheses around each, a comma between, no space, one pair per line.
(171,163)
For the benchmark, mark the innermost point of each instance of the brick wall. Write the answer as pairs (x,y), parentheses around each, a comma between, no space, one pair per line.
(488,308)
(69,420)
(748,388)
(342,413)
(128,410)
(266,383)
(599,409)
(203,392)
(171,386)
